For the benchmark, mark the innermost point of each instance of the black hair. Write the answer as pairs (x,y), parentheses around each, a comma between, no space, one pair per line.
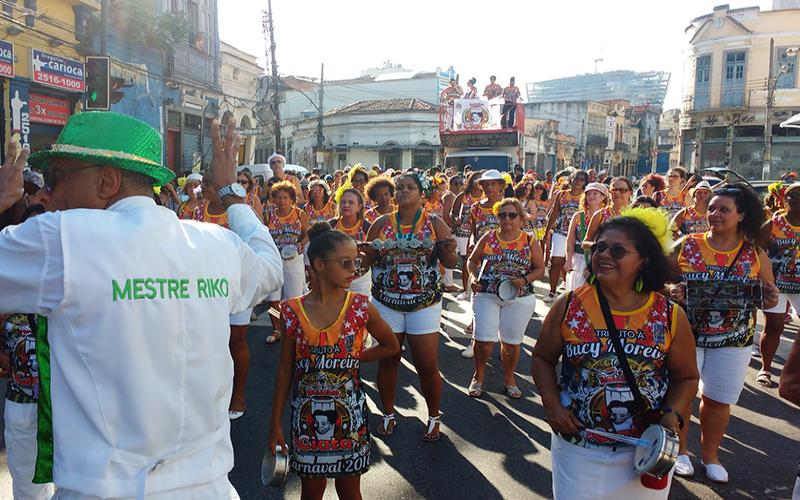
(323,240)
(576,173)
(747,203)
(645,199)
(415,178)
(31,211)
(656,269)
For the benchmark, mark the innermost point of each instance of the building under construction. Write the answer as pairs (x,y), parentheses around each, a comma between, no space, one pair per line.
(640,89)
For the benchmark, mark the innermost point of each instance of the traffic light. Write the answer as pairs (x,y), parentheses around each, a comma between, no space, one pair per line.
(98,86)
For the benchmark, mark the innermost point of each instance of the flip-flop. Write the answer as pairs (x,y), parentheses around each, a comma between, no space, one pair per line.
(475,389)
(430,436)
(276,336)
(384,430)
(513,392)
(764,378)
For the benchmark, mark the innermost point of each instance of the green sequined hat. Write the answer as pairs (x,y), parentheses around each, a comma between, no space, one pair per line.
(108,138)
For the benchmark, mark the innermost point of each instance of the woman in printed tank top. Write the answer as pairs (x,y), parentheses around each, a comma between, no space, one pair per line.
(506,253)
(380,191)
(454,186)
(320,206)
(288,226)
(433,203)
(462,228)
(673,198)
(694,219)
(246,180)
(722,270)
(565,205)
(405,250)
(621,192)
(594,200)
(538,211)
(629,268)
(523,191)
(351,222)
(782,234)
(321,356)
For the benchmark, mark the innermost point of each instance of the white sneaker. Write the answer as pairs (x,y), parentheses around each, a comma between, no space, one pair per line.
(463,296)
(469,351)
(716,473)
(550,297)
(683,466)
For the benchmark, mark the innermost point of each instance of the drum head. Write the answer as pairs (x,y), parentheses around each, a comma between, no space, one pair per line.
(288,252)
(645,458)
(506,290)
(274,469)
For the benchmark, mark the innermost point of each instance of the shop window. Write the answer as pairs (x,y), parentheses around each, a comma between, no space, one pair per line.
(423,158)
(8,7)
(715,133)
(193,122)
(778,131)
(391,158)
(173,119)
(749,131)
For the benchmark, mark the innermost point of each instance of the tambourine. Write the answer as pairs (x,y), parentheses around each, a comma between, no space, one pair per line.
(506,290)
(288,252)
(656,452)
(274,469)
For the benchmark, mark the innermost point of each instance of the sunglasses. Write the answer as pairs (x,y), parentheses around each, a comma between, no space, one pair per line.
(54,175)
(620,190)
(507,215)
(618,252)
(539,188)
(347,263)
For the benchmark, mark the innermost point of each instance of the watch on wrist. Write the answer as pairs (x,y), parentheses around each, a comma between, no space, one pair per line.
(235,189)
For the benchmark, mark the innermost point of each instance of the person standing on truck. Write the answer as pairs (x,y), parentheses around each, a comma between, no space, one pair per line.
(493,89)
(512,96)
(447,99)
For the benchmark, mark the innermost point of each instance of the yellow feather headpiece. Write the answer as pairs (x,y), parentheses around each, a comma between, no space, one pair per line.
(344,187)
(657,220)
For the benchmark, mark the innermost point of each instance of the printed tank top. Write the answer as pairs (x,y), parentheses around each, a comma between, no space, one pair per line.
(462,220)
(329,406)
(569,205)
(672,204)
(406,276)
(694,222)
(327,212)
(593,385)
(719,303)
(504,260)
(200,213)
(540,217)
(483,218)
(285,231)
(784,253)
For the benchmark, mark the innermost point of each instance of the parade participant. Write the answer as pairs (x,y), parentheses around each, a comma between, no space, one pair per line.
(472,90)
(694,219)
(455,185)
(523,191)
(352,223)
(246,180)
(433,202)
(565,205)
(629,268)
(462,228)
(548,181)
(320,206)
(538,211)
(782,241)
(337,180)
(511,96)
(651,185)
(505,253)
(191,188)
(167,196)
(644,202)
(594,199)
(726,255)
(325,343)
(621,191)
(775,201)
(492,90)
(103,301)
(592,173)
(277,162)
(288,226)
(673,198)
(380,190)
(359,178)
(407,246)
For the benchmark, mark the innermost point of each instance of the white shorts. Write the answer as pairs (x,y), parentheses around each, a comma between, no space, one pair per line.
(783,299)
(20,438)
(461,245)
(508,318)
(427,320)
(558,245)
(577,277)
(722,372)
(294,280)
(362,285)
(240,318)
(583,473)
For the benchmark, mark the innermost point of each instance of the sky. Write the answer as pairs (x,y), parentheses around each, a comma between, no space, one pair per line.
(531,39)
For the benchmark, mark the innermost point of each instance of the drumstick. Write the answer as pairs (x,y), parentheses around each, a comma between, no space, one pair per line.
(619,437)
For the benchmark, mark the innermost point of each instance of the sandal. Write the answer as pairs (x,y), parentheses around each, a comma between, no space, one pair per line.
(764,378)
(513,392)
(384,429)
(475,389)
(276,336)
(433,434)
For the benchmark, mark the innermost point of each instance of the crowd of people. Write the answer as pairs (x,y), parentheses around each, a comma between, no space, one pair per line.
(662,281)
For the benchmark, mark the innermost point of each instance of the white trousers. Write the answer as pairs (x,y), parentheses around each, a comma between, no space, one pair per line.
(219,489)
(294,280)
(20,435)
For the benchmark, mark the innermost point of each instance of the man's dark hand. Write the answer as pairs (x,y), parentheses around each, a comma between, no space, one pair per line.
(222,171)
(11,184)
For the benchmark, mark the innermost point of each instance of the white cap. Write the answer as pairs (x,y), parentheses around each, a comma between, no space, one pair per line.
(276,155)
(491,175)
(702,185)
(597,186)
(194,177)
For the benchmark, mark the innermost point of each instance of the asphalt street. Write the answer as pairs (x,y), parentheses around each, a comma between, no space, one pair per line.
(494,447)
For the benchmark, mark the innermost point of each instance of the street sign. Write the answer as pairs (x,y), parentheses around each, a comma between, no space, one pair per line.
(252,132)
(58,72)
(6,59)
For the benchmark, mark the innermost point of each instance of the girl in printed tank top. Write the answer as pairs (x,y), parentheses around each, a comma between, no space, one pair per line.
(506,253)
(321,354)
(320,206)
(594,200)
(405,248)
(621,192)
(694,219)
(288,226)
(455,185)
(719,265)
(673,198)
(629,268)
(246,180)
(783,247)
(351,222)
(433,203)
(565,205)
(462,229)
(380,191)
(538,211)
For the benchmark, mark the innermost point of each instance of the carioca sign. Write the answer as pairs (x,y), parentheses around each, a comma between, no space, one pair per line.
(6,59)
(56,71)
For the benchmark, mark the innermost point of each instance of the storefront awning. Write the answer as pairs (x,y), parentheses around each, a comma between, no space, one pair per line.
(793,122)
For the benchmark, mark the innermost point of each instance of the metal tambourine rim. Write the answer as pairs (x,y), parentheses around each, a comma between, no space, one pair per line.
(665,456)
(505,283)
(274,469)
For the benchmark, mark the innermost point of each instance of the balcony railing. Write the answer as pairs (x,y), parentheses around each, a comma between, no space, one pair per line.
(188,63)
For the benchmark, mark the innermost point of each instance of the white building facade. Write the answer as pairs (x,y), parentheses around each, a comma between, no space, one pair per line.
(238,78)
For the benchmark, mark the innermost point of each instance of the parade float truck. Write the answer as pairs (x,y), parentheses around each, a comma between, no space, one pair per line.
(472,133)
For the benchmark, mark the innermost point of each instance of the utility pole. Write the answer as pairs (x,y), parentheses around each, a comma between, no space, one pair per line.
(766,170)
(320,109)
(104,27)
(268,25)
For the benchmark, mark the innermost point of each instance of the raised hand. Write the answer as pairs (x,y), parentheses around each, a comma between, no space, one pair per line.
(222,171)
(11,184)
